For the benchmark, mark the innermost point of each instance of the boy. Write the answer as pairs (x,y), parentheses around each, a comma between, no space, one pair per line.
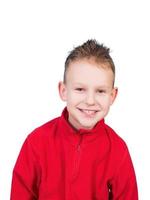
(77,156)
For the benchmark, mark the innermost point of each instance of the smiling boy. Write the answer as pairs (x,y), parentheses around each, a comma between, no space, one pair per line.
(77,156)
(88,91)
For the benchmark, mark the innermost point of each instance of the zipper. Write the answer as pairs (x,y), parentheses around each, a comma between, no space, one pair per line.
(79,144)
(78,147)
(77,158)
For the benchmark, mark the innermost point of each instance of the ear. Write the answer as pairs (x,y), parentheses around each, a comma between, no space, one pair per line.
(114,94)
(62,91)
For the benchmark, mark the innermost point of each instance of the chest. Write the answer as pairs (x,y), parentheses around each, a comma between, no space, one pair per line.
(70,171)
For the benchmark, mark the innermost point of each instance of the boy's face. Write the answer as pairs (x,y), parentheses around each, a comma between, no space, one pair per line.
(88,92)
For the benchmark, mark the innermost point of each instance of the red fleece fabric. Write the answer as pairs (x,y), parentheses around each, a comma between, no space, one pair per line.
(57,162)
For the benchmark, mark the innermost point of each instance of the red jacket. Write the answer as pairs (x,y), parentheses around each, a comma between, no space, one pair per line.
(58,163)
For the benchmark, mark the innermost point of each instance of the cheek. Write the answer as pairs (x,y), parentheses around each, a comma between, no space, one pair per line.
(105,101)
(73,98)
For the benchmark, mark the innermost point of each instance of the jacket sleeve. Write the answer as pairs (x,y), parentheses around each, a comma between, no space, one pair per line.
(123,185)
(26,174)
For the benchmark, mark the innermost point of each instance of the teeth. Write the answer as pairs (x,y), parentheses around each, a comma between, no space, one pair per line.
(89,112)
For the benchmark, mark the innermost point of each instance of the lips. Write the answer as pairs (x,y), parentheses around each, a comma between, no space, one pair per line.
(88,112)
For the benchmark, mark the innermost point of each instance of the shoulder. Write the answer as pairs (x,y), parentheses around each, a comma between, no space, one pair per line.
(119,153)
(116,142)
(43,133)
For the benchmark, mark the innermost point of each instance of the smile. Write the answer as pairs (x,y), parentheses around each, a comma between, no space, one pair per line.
(88,112)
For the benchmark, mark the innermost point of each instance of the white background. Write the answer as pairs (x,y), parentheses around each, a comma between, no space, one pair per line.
(35,37)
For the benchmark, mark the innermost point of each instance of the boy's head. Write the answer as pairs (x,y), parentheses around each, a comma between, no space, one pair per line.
(88,86)
(91,50)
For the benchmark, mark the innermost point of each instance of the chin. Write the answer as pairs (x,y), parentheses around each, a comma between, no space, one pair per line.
(87,126)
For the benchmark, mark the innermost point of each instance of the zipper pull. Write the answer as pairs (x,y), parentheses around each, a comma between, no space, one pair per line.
(79,144)
(78,147)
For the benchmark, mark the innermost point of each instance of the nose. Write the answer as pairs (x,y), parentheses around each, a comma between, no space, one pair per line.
(90,99)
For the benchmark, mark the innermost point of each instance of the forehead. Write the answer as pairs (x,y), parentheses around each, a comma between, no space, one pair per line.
(89,72)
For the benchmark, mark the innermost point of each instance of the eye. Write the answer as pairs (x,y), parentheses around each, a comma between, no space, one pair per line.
(101,91)
(79,89)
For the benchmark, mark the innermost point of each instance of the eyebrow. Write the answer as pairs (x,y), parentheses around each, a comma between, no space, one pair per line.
(98,87)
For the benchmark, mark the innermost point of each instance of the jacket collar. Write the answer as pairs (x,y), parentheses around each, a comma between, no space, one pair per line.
(74,136)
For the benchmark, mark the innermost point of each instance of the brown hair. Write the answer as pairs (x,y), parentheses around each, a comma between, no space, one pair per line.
(91,49)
